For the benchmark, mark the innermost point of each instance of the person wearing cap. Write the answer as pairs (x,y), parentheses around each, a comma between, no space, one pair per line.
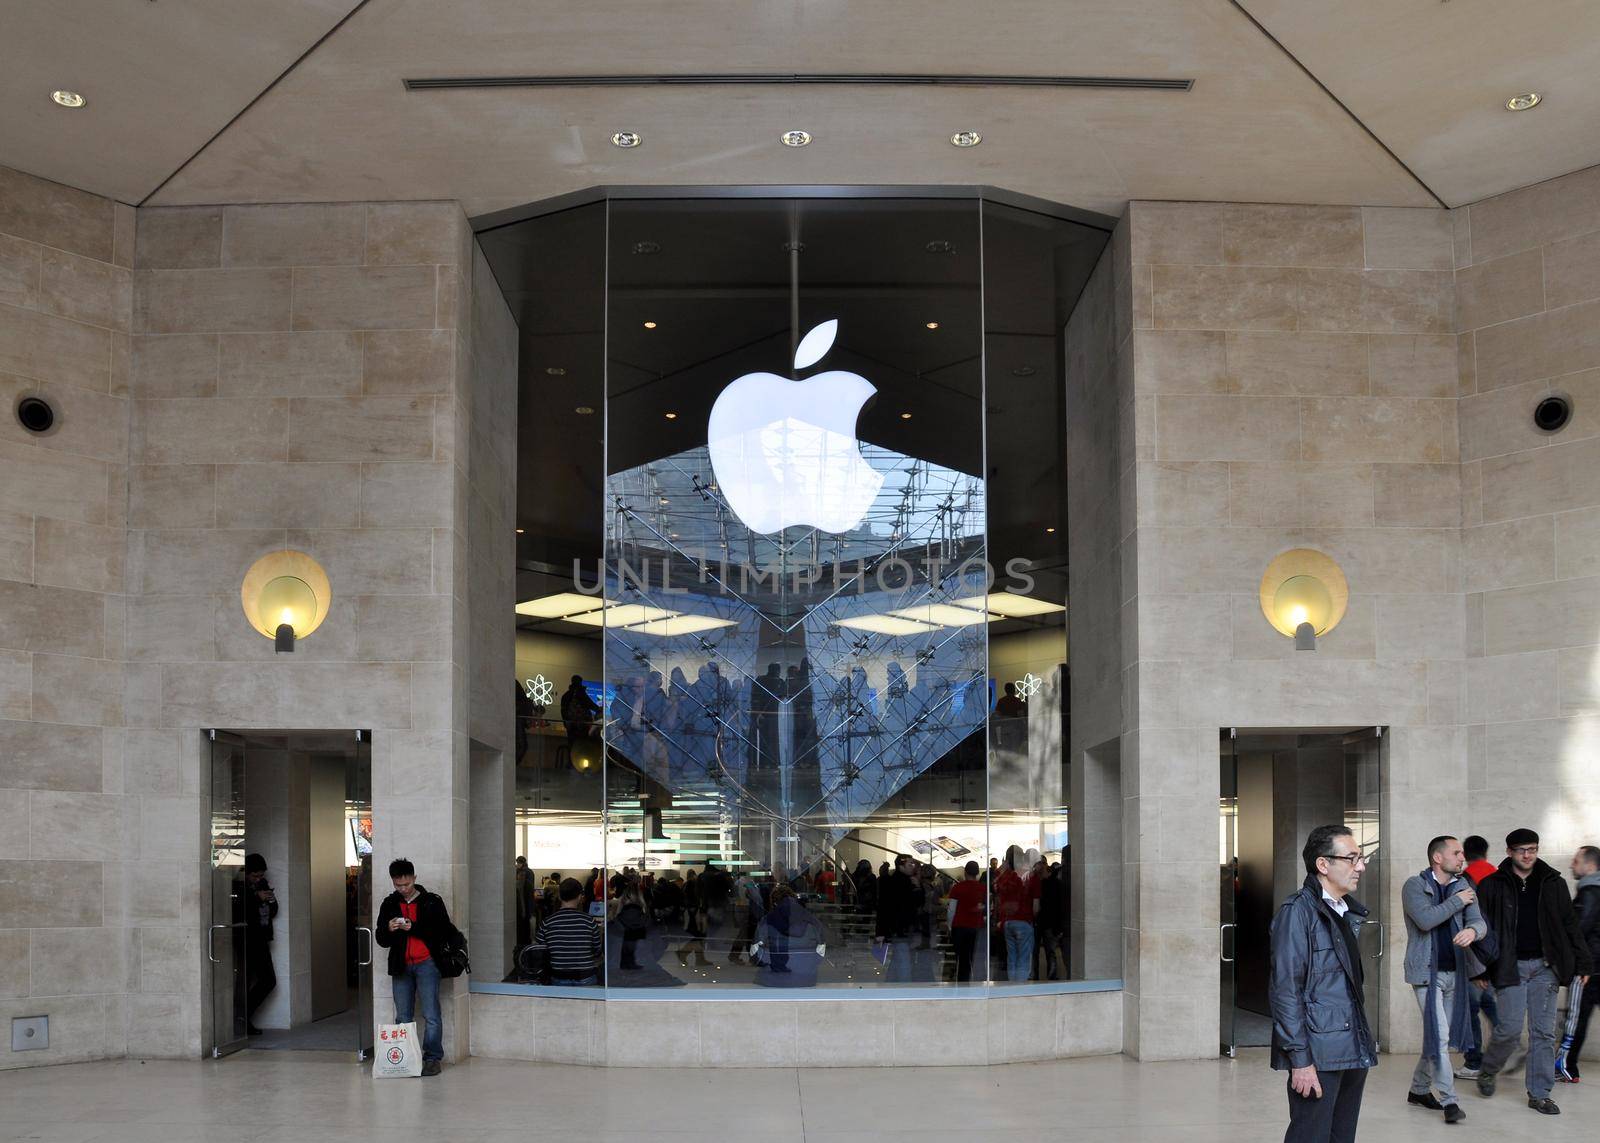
(1528,907)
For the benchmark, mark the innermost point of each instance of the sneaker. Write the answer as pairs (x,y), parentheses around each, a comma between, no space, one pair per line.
(1426,1099)
(1464,1072)
(1453,1113)
(1545,1106)
(430,1067)
(1486,1084)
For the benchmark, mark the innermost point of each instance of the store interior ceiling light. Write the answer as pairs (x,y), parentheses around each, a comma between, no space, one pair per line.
(887,625)
(945,615)
(1524,102)
(681,625)
(560,605)
(626,139)
(966,139)
(68,98)
(1011,605)
(622,615)
(796,138)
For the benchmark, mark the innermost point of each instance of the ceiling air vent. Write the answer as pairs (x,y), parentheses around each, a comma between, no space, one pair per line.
(797,79)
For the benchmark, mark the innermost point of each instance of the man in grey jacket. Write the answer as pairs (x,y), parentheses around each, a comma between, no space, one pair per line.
(1442,923)
(1320,1034)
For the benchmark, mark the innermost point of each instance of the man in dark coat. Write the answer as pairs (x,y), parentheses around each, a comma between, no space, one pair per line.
(1320,1034)
(413,925)
(1540,949)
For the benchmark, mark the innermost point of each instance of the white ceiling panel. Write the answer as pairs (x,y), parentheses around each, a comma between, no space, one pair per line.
(160,77)
(1431,79)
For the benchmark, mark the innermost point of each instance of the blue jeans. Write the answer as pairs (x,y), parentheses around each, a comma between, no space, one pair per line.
(898,966)
(1435,1074)
(1482,1000)
(1019,950)
(421,979)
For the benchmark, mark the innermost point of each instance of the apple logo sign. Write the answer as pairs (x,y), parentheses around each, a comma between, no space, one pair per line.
(785,452)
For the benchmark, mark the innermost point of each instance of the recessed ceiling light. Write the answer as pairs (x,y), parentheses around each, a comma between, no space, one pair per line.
(626,139)
(555,370)
(905,416)
(671,416)
(584,410)
(68,98)
(1051,530)
(647,247)
(519,531)
(649,325)
(1524,102)
(966,139)
(933,325)
(796,138)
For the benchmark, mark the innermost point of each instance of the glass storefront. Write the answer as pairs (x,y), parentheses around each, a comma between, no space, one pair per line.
(792,648)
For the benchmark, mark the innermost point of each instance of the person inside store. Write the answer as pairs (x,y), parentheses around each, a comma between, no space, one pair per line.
(569,941)
(258,905)
(968,899)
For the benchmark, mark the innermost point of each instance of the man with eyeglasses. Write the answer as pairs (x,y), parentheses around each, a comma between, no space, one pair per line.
(1540,949)
(1320,1034)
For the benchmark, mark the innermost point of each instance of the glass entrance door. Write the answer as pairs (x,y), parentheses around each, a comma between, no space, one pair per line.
(1363,789)
(358,809)
(1228,867)
(225,938)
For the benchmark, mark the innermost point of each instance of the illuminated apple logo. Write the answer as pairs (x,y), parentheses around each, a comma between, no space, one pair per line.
(785,452)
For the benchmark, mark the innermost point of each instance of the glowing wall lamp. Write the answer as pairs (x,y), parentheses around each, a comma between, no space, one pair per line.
(1303,595)
(285,596)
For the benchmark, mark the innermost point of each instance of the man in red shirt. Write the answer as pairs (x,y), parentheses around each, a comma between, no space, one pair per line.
(412,924)
(1478,864)
(1479,999)
(969,896)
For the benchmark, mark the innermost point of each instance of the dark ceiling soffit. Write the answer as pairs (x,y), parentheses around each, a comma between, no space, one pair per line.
(513,215)
(796,79)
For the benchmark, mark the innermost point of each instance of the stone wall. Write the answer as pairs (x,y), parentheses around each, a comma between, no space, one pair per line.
(238,380)
(1528,306)
(1295,384)
(66,308)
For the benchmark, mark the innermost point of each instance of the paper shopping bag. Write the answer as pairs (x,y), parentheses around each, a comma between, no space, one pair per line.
(399,1052)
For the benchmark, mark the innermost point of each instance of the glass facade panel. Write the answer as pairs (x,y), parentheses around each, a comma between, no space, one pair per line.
(792,659)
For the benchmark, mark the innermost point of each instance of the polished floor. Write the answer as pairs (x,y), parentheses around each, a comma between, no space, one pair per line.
(324,1098)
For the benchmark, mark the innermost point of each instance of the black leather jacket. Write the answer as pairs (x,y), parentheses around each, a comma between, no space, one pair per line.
(1315,989)
(1564,948)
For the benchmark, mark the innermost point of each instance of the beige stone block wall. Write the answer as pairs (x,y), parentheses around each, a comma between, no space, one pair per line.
(1294,383)
(66,309)
(1531,514)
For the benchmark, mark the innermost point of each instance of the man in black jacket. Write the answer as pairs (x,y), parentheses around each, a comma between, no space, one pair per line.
(1530,912)
(255,906)
(413,925)
(898,900)
(1320,1034)
(1586,871)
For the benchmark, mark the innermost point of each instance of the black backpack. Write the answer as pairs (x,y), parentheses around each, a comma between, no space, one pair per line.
(452,954)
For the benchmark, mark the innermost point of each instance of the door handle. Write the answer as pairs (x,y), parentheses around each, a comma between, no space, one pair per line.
(211,942)
(1382,934)
(364,929)
(1222,941)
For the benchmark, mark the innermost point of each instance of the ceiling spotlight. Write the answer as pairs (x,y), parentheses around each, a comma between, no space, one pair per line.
(626,139)
(584,410)
(671,416)
(555,370)
(1523,102)
(519,531)
(1050,530)
(647,247)
(795,138)
(649,325)
(933,325)
(68,98)
(905,416)
(966,139)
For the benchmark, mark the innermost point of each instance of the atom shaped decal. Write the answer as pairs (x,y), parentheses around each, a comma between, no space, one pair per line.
(540,690)
(1028,685)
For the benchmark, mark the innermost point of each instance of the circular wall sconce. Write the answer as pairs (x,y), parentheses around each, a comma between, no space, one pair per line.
(1303,595)
(285,596)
